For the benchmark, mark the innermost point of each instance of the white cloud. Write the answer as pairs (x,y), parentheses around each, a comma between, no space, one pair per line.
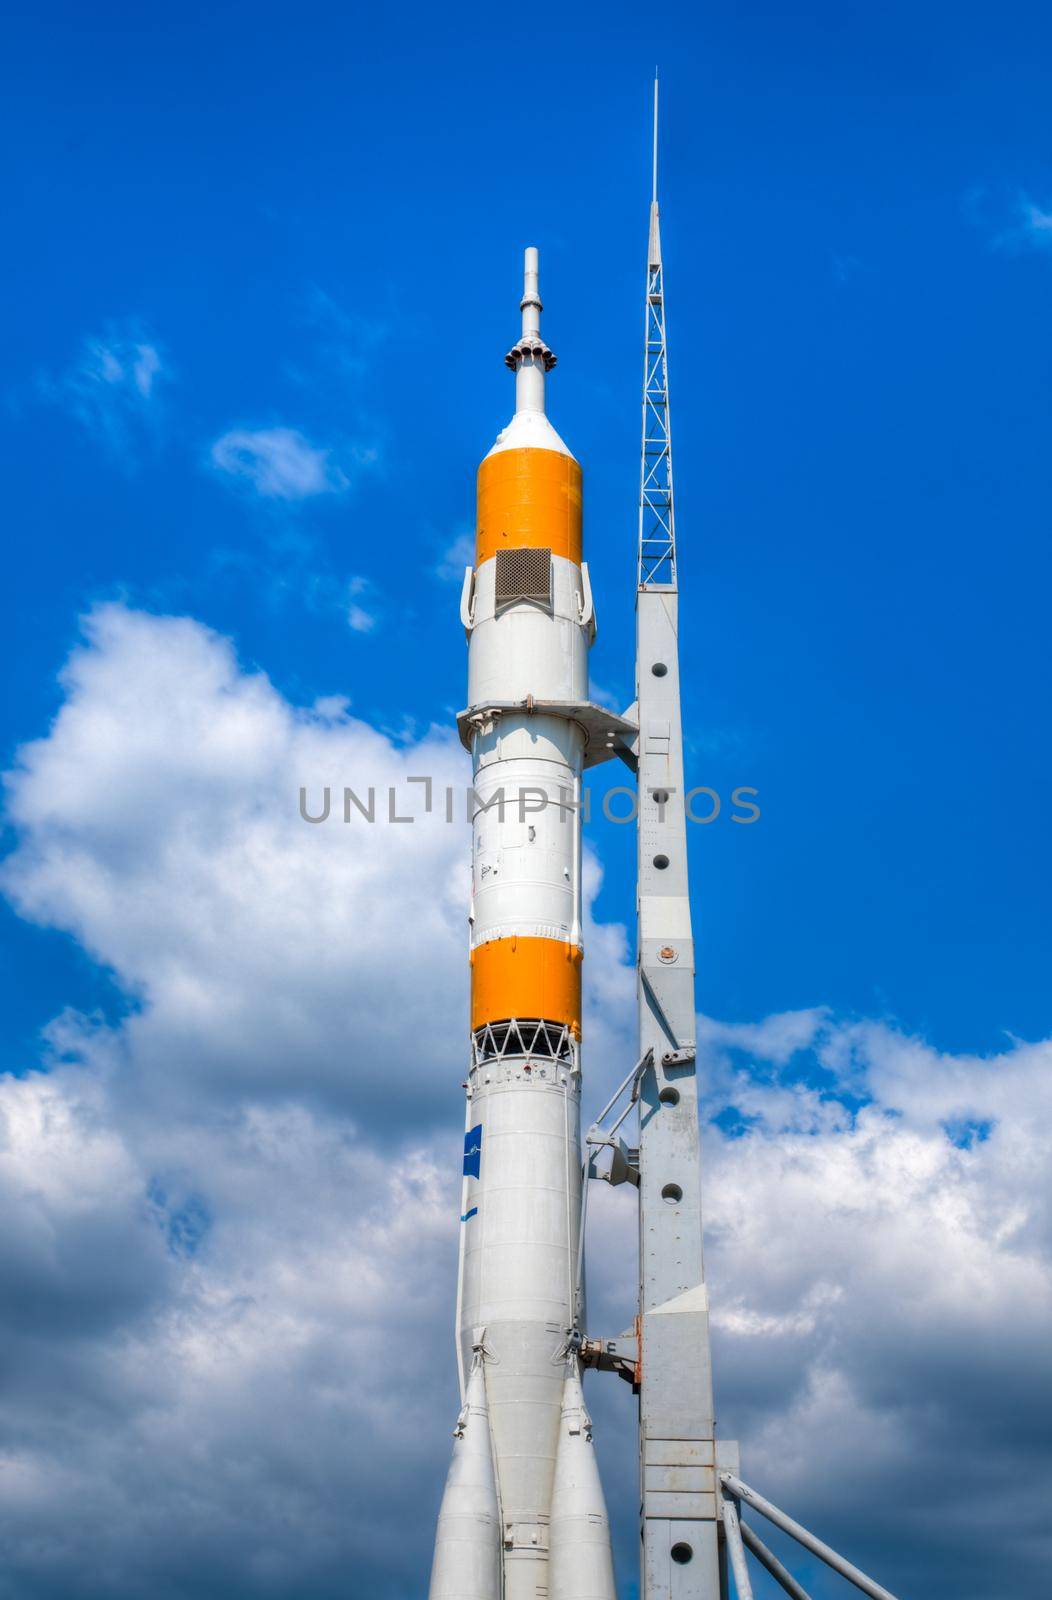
(280,463)
(1037,223)
(359,618)
(229,1239)
(777,1039)
(1031,229)
(345,341)
(846,268)
(882,1283)
(606,697)
(190,1311)
(457,555)
(111,388)
(160,826)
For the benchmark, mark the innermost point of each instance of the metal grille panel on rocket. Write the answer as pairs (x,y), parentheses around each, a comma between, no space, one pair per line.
(523,574)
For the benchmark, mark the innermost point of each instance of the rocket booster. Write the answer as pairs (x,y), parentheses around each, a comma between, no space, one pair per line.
(527,609)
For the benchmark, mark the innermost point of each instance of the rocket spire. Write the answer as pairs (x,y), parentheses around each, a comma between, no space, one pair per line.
(530,359)
(530,304)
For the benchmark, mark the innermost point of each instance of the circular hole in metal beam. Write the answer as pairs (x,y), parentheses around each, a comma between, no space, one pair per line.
(661,862)
(672,1193)
(669,1096)
(661,797)
(681,1553)
(659,669)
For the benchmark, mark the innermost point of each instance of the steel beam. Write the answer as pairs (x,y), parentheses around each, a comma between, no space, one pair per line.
(741,1491)
(677,1431)
(768,1559)
(677,1446)
(736,1550)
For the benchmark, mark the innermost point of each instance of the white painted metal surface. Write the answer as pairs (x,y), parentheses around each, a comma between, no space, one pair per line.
(529,648)
(529,430)
(530,370)
(680,1533)
(521,1200)
(530,359)
(519,1263)
(467,1544)
(581,1564)
(526,863)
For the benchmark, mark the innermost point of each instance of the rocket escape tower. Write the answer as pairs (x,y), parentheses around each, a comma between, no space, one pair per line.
(523,1515)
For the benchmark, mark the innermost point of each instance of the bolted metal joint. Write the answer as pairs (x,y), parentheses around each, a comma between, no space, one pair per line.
(620,1355)
(624,1164)
(679,1058)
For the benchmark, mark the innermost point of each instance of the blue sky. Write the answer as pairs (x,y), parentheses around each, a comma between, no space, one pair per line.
(260,272)
(317,228)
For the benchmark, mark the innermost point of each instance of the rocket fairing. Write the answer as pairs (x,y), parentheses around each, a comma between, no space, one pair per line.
(527,610)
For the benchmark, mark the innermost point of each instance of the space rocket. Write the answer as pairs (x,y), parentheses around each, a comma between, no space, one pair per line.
(523,1516)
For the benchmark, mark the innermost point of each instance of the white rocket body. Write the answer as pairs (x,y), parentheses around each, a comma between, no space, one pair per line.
(527,609)
(581,1565)
(467,1545)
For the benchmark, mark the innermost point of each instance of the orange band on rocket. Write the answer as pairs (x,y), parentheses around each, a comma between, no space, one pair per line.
(526,977)
(529,498)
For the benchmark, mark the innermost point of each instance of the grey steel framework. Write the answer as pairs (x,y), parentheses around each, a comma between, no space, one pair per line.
(657,513)
(692,1535)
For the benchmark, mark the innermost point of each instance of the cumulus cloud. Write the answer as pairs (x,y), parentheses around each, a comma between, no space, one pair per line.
(223,1407)
(1027,226)
(160,827)
(344,341)
(360,619)
(880,1244)
(457,555)
(112,389)
(1037,224)
(230,1209)
(279,463)
(227,1273)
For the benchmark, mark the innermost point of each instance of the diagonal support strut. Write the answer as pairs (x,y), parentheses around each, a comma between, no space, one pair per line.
(768,1559)
(741,1491)
(736,1550)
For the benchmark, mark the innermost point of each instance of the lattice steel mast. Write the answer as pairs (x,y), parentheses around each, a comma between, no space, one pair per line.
(693,1536)
(680,1547)
(657,515)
